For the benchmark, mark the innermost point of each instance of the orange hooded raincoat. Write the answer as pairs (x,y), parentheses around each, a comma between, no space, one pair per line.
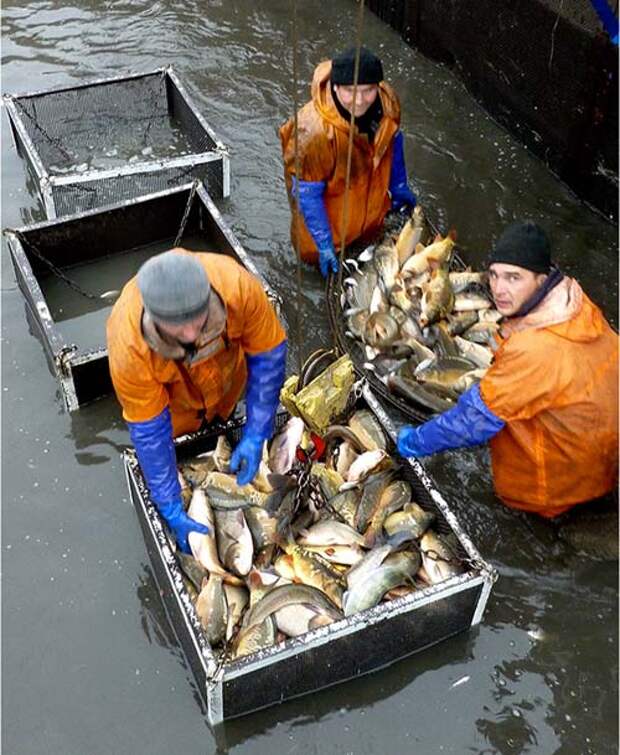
(323,137)
(146,382)
(554,381)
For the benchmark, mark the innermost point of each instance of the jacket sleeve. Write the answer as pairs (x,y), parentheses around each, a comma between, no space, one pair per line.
(309,195)
(155,450)
(469,423)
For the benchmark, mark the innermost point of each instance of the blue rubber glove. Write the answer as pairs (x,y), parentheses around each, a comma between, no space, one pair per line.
(310,198)
(401,194)
(469,423)
(608,19)
(155,451)
(265,378)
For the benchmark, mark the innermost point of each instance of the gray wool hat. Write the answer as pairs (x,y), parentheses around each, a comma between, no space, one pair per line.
(174,287)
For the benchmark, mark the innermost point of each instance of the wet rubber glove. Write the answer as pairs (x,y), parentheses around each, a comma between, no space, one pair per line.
(401,194)
(315,217)
(265,378)
(469,423)
(155,450)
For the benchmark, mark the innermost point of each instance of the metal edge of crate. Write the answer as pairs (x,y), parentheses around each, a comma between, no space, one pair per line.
(218,675)
(57,350)
(149,516)
(172,75)
(485,568)
(239,250)
(151,166)
(89,83)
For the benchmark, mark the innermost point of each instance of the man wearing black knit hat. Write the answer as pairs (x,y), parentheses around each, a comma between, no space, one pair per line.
(548,405)
(377,176)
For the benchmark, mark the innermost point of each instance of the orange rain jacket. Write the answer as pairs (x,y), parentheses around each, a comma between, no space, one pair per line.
(554,381)
(322,144)
(145,382)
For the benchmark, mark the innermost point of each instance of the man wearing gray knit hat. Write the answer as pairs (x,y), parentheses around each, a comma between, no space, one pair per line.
(186,337)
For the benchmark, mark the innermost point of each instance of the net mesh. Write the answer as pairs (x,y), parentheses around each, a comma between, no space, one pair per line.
(116,125)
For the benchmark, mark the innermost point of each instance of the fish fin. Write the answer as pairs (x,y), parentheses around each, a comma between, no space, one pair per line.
(452,234)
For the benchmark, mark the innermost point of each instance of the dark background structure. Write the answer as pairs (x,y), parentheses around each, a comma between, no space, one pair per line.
(545,69)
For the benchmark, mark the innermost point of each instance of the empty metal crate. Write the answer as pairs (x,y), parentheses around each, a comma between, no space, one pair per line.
(359,644)
(108,140)
(100,251)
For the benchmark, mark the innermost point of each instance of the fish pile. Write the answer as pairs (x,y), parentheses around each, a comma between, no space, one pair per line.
(277,564)
(427,333)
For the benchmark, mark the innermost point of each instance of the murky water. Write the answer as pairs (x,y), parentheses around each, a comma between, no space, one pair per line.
(90,663)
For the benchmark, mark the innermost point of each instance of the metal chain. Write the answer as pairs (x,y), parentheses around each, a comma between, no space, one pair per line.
(54,142)
(56,270)
(188,207)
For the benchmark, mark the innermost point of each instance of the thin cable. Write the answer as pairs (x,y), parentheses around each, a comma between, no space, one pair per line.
(345,204)
(296,200)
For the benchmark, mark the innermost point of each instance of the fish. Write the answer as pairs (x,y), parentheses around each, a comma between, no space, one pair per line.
(192,568)
(345,457)
(386,260)
(284,445)
(343,432)
(330,532)
(470,301)
(401,300)
(345,504)
(367,428)
(439,560)
(255,638)
(338,554)
(315,571)
(204,547)
(443,371)
(459,323)
(381,330)
(418,394)
(368,592)
(357,321)
(371,561)
(461,280)
(413,519)
(212,610)
(437,297)
(196,471)
(222,454)
(234,540)
(225,493)
(263,526)
(466,381)
(237,599)
(366,464)
(283,596)
(484,333)
(436,254)
(330,481)
(371,494)
(409,561)
(480,355)
(393,498)
(410,235)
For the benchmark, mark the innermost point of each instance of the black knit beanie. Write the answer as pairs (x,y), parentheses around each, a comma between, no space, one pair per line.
(343,68)
(524,245)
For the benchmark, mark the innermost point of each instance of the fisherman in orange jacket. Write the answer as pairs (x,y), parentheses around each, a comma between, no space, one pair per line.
(187,335)
(378,177)
(548,405)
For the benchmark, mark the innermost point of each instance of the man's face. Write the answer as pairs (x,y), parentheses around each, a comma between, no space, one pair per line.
(186,332)
(365,95)
(512,286)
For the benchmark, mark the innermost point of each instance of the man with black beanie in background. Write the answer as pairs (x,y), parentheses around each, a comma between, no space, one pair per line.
(548,405)
(378,177)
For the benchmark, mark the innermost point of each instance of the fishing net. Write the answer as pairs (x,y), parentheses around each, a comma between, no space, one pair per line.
(105,142)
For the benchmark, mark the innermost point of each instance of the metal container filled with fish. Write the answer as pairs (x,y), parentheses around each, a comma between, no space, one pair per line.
(71,270)
(415,322)
(341,558)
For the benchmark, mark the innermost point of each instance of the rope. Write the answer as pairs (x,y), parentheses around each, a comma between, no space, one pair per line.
(296,203)
(345,204)
(188,207)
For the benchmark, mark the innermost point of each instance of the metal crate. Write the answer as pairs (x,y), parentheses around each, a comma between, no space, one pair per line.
(108,246)
(353,646)
(114,139)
